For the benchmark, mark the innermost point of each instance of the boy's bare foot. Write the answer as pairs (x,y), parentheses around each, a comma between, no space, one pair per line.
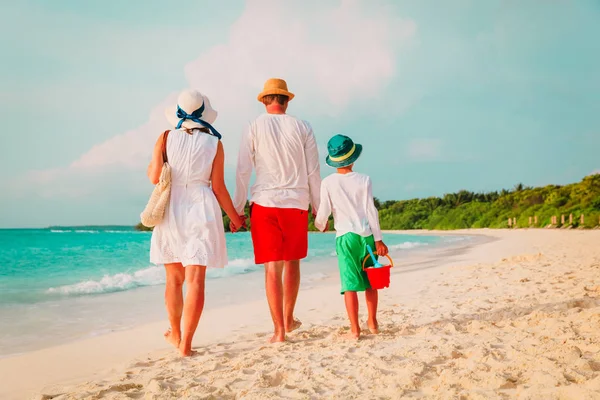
(352,336)
(295,325)
(373,327)
(170,337)
(277,338)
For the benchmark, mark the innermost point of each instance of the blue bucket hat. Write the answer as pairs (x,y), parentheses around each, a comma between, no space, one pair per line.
(342,151)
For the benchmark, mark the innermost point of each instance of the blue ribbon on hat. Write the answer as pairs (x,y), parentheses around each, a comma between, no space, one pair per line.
(195,116)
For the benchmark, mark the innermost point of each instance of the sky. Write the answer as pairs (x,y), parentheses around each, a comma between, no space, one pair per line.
(443,95)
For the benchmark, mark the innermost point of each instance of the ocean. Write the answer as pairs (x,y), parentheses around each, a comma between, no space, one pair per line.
(67,283)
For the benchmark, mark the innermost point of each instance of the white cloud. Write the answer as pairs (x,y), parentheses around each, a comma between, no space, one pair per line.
(424,149)
(332,58)
(131,149)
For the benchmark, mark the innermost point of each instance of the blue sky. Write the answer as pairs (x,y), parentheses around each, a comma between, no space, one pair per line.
(444,96)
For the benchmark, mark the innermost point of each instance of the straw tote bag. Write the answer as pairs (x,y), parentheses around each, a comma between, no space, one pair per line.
(159,199)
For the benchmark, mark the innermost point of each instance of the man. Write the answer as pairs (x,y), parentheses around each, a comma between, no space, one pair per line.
(283,151)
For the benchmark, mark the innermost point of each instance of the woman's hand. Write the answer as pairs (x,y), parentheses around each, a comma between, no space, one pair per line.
(221,192)
(381,248)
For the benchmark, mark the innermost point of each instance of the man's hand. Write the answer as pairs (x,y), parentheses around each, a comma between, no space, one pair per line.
(381,248)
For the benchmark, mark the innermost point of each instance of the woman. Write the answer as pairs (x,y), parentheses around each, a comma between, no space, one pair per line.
(191,237)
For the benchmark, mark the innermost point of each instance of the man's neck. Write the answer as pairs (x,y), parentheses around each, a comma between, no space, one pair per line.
(275,109)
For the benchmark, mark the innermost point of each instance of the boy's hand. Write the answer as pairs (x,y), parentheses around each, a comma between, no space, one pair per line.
(381,248)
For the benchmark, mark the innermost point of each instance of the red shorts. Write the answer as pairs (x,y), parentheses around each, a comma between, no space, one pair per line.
(278,234)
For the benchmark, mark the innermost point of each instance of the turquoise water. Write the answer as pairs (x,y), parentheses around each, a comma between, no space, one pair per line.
(42,264)
(63,284)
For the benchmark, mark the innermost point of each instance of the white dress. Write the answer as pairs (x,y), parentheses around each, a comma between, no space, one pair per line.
(192,231)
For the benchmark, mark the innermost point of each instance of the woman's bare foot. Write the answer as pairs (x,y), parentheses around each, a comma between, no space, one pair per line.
(191,353)
(171,338)
(277,338)
(295,325)
(186,350)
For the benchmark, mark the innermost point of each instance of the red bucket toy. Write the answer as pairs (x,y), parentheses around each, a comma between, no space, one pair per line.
(379,278)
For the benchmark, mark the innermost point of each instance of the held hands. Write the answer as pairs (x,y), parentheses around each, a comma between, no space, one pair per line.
(239,222)
(326,227)
(380,248)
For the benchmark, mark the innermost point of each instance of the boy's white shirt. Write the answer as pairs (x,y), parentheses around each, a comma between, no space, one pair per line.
(349,197)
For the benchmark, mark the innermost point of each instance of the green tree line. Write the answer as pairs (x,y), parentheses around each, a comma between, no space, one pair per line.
(465,209)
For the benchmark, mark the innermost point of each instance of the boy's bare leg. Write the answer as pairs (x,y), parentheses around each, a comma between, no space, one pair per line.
(291,285)
(351,300)
(274,288)
(372,298)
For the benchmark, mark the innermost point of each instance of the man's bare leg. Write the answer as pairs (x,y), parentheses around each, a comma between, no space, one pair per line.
(274,288)
(291,285)
(194,304)
(174,301)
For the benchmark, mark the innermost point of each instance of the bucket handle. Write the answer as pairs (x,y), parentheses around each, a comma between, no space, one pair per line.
(369,256)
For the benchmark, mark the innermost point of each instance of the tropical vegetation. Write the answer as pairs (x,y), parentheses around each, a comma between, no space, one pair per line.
(465,209)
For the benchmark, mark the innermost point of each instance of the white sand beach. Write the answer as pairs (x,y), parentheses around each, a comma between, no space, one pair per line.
(516,315)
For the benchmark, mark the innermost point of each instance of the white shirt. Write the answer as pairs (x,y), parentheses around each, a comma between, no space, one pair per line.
(350,198)
(283,150)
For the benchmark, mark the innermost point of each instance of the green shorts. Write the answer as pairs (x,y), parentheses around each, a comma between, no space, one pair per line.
(351,250)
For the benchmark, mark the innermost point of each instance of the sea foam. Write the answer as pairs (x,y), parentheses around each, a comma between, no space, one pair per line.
(150,276)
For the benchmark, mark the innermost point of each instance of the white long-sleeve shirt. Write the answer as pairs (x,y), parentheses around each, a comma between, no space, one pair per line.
(350,198)
(283,150)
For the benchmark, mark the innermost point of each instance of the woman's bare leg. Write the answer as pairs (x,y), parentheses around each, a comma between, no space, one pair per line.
(193,306)
(174,301)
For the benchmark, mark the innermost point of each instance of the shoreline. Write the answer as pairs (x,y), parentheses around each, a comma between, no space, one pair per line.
(426,295)
(44,324)
(151,332)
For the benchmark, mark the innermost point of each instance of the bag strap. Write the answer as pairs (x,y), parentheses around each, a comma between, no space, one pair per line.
(164,146)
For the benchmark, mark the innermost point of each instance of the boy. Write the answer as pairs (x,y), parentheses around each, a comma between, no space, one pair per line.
(347,194)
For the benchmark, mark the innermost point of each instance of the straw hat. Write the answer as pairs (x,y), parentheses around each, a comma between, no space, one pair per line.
(275,86)
(190,102)
(342,151)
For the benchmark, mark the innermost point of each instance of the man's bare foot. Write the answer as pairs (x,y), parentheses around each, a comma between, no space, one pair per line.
(295,325)
(277,338)
(171,338)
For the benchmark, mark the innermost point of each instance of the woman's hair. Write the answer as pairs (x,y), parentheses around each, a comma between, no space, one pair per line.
(191,130)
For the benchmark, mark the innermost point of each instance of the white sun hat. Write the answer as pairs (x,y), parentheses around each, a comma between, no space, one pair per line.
(193,110)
